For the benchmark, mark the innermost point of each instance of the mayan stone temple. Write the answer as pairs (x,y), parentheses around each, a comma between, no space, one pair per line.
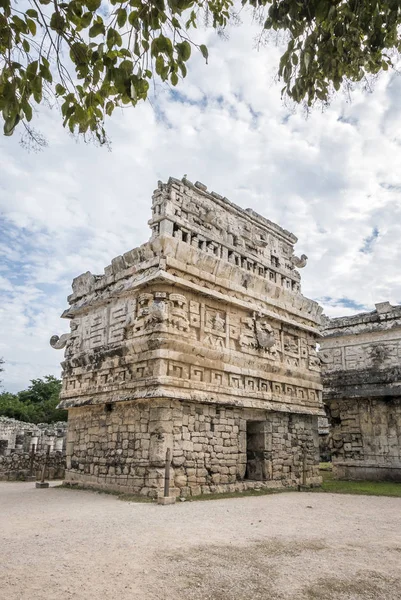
(361,358)
(200,342)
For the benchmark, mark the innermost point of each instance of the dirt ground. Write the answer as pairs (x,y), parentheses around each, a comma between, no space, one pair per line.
(60,543)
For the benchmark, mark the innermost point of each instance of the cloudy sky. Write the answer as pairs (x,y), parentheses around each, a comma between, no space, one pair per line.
(334,179)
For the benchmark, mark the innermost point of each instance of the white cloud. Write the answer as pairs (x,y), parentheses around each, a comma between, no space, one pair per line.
(331,178)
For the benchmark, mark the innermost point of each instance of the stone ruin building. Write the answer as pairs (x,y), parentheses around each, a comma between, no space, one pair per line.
(199,341)
(361,367)
(18,436)
(17,439)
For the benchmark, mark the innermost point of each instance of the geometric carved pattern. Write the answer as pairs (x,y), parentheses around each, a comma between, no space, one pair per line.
(211,301)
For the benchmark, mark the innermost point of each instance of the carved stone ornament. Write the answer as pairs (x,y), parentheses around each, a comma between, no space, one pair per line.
(325,357)
(299,263)
(265,335)
(58,343)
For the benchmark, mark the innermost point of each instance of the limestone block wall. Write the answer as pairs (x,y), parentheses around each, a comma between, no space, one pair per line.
(16,466)
(122,446)
(362,392)
(366,438)
(18,436)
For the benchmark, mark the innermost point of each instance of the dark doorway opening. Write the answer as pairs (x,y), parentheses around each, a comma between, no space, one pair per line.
(258,451)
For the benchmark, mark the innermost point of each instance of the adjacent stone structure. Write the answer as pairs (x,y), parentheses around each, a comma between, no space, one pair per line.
(18,436)
(199,341)
(361,358)
(17,439)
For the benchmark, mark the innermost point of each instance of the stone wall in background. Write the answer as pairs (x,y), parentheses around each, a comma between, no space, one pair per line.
(18,436)
(17,466)
(361,368)
(17,439)
(366,438)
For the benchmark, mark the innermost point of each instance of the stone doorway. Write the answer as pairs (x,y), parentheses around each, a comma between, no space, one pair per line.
(258,451)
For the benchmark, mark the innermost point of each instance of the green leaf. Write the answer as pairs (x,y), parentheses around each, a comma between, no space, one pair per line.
(204,51)
(31,26)
(31,12)
(113,38)
(60,90)
(93,4)
(32,69)
(37,89)
(174,79)
(27,108)
(19,24)
(159,65)
(121,17)
(184,50)
(45,73)
(97,29)
(86,20)
(78,53)
(10,124)
(161,44)
(26,46)
(109,108)
(127,66)
(57,22)
(182,68)
(133,19)
(322,9)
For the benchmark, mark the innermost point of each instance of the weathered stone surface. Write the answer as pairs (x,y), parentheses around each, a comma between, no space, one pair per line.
(18,436)
(362,391)
(17,466)
(16,441)
(185,341)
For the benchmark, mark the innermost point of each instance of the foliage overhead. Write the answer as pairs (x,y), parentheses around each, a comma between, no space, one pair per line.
(94,57)
(37,404)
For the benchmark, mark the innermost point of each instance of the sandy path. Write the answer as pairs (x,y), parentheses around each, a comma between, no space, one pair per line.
(59,543)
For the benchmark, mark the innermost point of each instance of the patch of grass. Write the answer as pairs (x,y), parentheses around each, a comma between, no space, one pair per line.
(226,495)
(365,586)
(120,495)
(325,466)
(366,488)
(133,498)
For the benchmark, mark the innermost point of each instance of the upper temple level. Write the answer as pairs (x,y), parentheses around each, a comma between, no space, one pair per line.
(207,240)
(207,221)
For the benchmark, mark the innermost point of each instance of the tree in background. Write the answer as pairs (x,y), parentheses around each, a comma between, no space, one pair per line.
(37,404)
(95,57)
